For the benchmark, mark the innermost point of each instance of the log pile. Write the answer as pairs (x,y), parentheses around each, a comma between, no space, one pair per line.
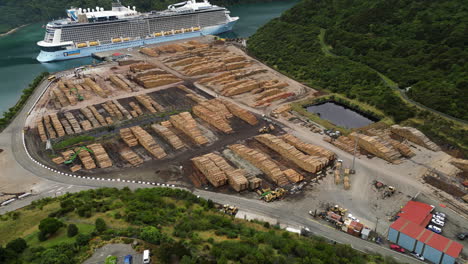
(148,142)
(86,125)
(149,52)
(213,118)
(149,103)
(141,67)
(113,110)
(49,128)
(212,172)
(242,88)
(404,150)
(75,125)
(67,126)
(346,183)
(57,125)
(122,109)
(269,99)
(293,176)
(127,136)
(136,109)
(58,160)
(98,116)
(131,85)
(291,153)
(310,149)
(96,88)
(345,143)
(261,161)
(168,135)
(75,168)
(154,78)
(236,177)
(89,115)
(373,145)
(67,154)
(131,157)
(86,159)
(41,130)
(60,97)
(101,156)
(185,123)
(119,83)
(71,97)
(462,164)
(241,113)
(415,136)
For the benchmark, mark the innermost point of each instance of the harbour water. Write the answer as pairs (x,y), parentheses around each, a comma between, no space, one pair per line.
(340,115)
(18,51)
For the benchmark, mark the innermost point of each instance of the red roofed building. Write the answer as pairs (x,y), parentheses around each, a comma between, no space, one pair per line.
(409,231)
(417,212)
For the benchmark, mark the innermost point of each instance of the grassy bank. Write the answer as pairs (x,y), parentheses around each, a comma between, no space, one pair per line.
(11,113)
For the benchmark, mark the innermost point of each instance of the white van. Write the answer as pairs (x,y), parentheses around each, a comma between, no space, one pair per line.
(146,257)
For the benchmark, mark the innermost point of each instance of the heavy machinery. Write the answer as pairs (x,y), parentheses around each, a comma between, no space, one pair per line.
(390,190)
(268,195)
(267,129)
(338,210)
(73,157)
(230,210)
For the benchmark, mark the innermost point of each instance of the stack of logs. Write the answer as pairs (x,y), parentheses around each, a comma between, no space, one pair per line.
(261,161)
(185,123)
(310,149)
(168,135)
(291,153)
(379,148)
(212,172)
(415,136)
(131,157)
(148,142)
(128,137)
(101,156)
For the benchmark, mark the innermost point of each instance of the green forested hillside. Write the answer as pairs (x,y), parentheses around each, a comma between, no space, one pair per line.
(177,226)
(14,13)
(344,46)
(417,43)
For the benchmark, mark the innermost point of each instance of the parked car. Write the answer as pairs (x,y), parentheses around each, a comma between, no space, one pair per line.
(434,229)
(416,255)
(441,218)
(437,222)
(397,248)
(128,259)
(146,257)
(462,236)
(441,214)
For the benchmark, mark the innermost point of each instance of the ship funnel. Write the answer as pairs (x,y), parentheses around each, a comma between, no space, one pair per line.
(102,9)
(80,10)
(97,8)
(89,9)
(134,8)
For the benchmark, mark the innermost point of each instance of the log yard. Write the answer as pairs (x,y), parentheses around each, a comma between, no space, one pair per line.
(202,114)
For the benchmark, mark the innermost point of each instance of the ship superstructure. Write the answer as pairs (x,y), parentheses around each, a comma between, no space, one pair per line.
(86,31)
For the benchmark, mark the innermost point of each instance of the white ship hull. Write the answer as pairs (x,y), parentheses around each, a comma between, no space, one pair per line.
(45,56)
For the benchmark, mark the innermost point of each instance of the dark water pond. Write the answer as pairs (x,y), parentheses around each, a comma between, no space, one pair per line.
(340,115)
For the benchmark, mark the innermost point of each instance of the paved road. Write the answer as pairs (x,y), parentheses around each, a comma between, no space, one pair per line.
(14,134)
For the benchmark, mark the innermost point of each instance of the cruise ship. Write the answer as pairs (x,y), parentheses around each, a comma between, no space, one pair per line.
(87,31)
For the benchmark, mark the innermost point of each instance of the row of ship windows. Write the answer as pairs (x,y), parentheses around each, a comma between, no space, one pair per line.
(136,30)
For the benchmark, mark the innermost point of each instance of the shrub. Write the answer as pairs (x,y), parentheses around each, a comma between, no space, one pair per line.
(49,226)
(72,230)
(17,245)
(101,225)
(82,239)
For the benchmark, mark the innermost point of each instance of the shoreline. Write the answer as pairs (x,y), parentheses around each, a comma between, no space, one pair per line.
(12,30)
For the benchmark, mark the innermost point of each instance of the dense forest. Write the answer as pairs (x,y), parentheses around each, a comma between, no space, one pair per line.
(177,226)
(343,45)
(419,44)
(14,13)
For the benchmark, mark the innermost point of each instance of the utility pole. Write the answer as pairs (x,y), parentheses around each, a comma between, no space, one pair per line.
(354,152)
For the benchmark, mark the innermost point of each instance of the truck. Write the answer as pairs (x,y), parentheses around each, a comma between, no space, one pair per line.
(146,257)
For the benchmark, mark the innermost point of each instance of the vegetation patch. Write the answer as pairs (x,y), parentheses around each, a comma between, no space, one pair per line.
(68,142)
(176,225)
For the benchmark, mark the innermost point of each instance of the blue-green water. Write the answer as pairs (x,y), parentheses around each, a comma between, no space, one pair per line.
(18,51)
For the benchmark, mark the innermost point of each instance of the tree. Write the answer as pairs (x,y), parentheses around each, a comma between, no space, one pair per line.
(54,256)
(72,230)
(152,235)
(17,245)
(49,226)
(82,239)
(100,225)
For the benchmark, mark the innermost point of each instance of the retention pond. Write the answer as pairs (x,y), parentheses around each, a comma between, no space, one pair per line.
(341,115)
